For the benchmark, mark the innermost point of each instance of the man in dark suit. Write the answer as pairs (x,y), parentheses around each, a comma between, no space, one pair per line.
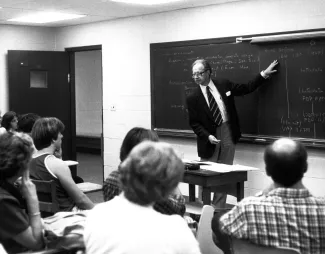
(213,116)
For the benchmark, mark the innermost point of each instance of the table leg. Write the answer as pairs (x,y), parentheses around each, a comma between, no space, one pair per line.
(206,196)
(240,191)
(191,192)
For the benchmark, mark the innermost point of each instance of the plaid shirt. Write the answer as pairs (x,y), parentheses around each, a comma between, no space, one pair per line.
(175,204)
(284,217)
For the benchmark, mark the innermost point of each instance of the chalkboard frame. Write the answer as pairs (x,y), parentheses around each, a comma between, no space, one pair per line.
(246,138)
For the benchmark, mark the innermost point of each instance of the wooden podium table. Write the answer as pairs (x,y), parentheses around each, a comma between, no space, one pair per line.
(230,183)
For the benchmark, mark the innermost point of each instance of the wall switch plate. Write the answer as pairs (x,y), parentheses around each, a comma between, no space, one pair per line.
(113,107)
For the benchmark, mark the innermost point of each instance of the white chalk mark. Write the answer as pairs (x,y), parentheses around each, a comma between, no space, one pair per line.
(312,110)
(287,90)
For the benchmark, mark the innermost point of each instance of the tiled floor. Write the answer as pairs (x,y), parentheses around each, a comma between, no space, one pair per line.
(90,169)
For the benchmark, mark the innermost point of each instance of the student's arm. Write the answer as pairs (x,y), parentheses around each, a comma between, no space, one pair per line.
(32,237)
(62,172)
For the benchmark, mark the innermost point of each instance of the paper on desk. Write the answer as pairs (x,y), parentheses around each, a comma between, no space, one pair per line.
(186,161)
(244,168)
(224,168)
(217,167)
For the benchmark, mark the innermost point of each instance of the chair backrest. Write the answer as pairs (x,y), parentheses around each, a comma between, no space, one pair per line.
(204,232)
(245,247)
(58,251)
(46,192)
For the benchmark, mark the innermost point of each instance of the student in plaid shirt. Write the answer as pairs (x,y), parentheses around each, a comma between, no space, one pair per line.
(174,204)
(285,214)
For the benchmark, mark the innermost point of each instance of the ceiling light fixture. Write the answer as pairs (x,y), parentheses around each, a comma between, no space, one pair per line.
(46,17)
(145,2)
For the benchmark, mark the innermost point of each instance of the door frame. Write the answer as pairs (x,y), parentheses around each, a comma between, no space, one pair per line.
(72,51)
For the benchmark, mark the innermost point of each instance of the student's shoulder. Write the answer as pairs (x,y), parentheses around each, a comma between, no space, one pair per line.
(174,219)
(55,163)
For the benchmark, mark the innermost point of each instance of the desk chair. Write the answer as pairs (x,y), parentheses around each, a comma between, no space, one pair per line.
(204,232)
(57,251)
(245,247)
(46,192)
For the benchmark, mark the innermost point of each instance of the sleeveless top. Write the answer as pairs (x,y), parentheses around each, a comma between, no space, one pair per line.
(40,171)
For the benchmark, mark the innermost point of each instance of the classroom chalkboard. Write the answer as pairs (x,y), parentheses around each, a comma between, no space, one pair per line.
(290,104)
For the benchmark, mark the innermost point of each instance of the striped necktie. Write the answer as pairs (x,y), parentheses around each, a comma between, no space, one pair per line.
(214,108)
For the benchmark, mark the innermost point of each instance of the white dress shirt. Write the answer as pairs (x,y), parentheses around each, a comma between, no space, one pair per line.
(215,93)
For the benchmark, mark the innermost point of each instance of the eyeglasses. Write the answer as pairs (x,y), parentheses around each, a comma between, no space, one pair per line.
(199,74)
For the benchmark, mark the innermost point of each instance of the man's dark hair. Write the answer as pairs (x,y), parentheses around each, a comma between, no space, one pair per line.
(286,161)
(7,118)
(26,122)
(205,63)
(45,130)
(135,136)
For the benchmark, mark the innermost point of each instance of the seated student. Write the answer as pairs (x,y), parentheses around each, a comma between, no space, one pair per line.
(173,204)
(285,214)
(26,122)
(9,122)
(128,223)
(47,137)
(19,231)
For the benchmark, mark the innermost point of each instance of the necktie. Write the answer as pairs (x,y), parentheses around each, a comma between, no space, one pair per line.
(214,108)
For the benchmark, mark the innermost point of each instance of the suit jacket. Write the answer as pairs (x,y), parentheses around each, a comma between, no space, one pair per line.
(200,117)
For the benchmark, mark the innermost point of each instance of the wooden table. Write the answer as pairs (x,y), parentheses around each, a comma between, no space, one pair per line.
(230,183)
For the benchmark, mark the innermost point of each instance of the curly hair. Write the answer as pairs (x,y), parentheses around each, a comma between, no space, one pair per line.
(150,172)
(45,130)
(7,118)
(15,153)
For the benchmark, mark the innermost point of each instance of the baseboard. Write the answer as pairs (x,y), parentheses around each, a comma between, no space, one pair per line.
(86,144)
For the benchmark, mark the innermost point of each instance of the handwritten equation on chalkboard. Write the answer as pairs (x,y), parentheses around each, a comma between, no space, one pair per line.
(300,104)
(291,103)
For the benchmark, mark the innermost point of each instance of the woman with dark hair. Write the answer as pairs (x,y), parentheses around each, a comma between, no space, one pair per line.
(128,224)
(19,231)
(10,121)
(173,204)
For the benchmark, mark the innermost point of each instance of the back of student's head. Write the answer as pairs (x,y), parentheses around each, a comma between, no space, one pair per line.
(150,172)
(46,130)
(7,118)
(135,136)
(26,122)
(286,161)
(15,153)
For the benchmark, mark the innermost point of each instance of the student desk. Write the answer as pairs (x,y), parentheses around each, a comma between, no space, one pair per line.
(231,183)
